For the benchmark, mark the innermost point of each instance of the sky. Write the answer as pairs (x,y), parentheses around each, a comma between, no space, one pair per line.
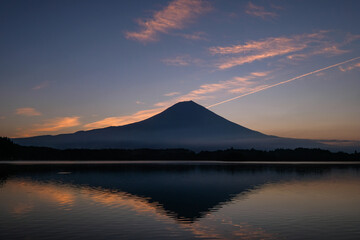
(284,68)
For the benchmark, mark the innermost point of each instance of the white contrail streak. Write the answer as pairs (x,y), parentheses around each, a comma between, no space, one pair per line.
(283,82)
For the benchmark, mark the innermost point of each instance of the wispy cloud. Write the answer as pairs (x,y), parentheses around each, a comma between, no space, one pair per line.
(175,16)
(329,50)
(56,124)
(270,47)
(28,111)
(259,11)
(265,87)
(205,91)
(49,125)
(350,67)
(183,60)
(194,36)
(41,85)
(170,94)
(123,120)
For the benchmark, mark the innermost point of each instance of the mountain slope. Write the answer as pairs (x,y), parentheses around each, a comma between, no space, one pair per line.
(184,125)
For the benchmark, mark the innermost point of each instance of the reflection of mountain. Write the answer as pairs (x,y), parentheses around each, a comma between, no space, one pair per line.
(184,125)
(185,192)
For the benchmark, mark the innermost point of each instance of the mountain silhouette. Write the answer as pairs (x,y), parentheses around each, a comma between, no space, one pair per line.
(183,125)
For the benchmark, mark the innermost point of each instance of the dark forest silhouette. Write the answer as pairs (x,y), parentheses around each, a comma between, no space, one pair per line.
(12,151)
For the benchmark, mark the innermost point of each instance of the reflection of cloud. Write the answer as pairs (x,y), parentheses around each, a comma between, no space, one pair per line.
(28,111)
(259,11)
(123,120)
(257,50)
(22,208)
(64,199)
(174,16)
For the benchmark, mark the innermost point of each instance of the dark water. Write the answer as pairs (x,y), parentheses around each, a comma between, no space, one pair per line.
(179,201)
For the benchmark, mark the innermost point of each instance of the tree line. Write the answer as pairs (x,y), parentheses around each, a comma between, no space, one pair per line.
(11,151)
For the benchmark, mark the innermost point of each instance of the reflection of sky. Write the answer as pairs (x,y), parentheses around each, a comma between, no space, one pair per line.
(302,208)
(66,66)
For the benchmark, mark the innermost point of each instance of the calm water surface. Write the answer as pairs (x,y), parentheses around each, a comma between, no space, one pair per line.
(179,201)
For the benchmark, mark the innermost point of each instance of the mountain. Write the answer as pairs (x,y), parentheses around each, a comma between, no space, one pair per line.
(183,125)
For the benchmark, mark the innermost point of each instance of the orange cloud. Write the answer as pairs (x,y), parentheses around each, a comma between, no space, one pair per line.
(27,112)
(123,120)
(275,46)
(174,16)
(56,124)
(259,11)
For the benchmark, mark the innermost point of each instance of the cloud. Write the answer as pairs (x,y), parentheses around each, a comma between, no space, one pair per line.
(123,120)
(351,67)
(139,102)
(270,47)
(41,85)
(175,16)
(329,50)
(30,112)
(49,125)
(265,87)
(204,90)
(56,124)
(259,11)
(193,36)
(183,60)
(170,94)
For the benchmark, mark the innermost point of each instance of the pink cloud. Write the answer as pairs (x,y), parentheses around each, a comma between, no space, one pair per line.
(259,11)
(175,16)
(350,67)
(28,111)
(183,60)
(123,120)
(194,36)
(270,47)
(205,90)
(41,85)
(170,94)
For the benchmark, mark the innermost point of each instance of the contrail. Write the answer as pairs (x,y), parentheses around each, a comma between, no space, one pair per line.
(283,82)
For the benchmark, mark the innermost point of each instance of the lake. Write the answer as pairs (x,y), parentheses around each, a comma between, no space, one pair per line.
(179,200)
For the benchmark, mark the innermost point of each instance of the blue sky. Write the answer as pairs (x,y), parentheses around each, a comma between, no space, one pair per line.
(75,65)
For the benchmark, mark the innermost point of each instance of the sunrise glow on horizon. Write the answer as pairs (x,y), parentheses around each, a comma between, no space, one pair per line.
(68,66)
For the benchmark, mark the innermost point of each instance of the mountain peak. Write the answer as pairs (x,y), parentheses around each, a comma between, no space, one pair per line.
(186,104)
